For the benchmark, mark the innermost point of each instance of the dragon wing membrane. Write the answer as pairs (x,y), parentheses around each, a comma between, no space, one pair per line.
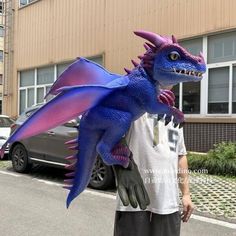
(71,102)
(82,72)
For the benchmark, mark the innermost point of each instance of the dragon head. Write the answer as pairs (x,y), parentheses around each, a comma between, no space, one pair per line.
(168,63)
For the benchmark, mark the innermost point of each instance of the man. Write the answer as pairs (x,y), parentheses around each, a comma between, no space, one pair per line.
(159,152)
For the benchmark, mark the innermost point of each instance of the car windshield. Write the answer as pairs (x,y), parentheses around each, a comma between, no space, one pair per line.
(5,122)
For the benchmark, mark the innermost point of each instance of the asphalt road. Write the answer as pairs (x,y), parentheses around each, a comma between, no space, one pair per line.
(31,206)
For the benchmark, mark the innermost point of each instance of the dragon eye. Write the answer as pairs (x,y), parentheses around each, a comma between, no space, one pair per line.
(174,56)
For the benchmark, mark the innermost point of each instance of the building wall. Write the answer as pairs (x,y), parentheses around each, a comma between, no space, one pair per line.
(47,32)
(1,63)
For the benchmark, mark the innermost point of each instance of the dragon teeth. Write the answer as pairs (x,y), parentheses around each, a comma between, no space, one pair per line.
(187,72)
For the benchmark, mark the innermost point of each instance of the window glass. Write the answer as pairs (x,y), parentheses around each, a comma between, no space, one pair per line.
(22,100)
(26,78)
(62,67)
(6,122)
(175,90)
(1,7)
(49,97)
(40,95)
(234,91)
(23,2)
(194,46)
(222,47)
(218,90)
(191,98)
(98,60)
(1,31)
(45,75)
(30,98)
(1,55)
(1,79)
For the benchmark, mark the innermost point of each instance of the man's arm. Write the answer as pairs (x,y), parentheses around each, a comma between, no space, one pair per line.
(183,178)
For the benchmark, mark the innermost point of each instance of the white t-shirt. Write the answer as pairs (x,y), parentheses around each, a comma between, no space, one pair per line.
(156,148)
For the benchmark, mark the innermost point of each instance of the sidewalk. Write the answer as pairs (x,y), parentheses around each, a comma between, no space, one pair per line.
(214,196)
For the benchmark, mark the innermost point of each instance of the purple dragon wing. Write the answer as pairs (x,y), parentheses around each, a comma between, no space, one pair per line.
(70,103)
(82,72)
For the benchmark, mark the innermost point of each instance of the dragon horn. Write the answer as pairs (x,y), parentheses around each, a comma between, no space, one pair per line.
(127,70)
(201,55)
(146,46)
(174,39)
(151,46)
(134,63)
(156,39)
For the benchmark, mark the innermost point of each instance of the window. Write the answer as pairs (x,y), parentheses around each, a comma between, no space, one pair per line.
(190,91)
(1,55)
(0,106)
(25,2)
(234,91)
(1,7)
(62,67)
(175,90)
(22,100)
(27,78)
(191,98)
(1,79)
(218,90)
(1,31)
(45,75)
(222,47)
(34,84)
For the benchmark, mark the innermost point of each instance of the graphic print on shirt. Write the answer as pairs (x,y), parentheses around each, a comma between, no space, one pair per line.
(173,139)
(155,132)
(173,135)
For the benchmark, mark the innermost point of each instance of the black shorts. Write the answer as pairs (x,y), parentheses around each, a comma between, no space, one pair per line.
(145,223)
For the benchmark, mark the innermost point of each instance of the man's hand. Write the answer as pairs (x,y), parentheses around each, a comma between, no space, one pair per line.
(130,186)
(188,207)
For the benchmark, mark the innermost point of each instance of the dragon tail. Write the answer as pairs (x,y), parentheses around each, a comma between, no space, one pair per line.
(81,164)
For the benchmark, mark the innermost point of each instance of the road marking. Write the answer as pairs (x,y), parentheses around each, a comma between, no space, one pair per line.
(93,192)
(9,173)
(48,182)
(106,195)
(214,221)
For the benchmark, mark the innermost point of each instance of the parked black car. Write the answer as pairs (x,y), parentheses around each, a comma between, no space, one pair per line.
(48,148)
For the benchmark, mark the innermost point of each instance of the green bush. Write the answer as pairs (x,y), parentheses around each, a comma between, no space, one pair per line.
(221,160)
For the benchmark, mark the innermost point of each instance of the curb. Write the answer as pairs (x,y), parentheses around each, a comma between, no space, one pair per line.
(208,215)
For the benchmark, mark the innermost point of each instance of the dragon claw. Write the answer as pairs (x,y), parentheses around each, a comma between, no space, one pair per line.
(160,116)
(178,116)
(167,120)
(175,125)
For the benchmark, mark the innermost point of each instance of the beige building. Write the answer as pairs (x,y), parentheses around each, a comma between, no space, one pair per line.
(46,35)
(1,51)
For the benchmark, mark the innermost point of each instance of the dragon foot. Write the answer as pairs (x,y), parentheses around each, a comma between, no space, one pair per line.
(177,117)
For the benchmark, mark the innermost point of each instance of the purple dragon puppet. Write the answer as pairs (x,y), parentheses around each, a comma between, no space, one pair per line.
(109,103)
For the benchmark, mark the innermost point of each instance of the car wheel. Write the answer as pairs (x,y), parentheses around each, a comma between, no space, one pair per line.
(19,158)
(102,175)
